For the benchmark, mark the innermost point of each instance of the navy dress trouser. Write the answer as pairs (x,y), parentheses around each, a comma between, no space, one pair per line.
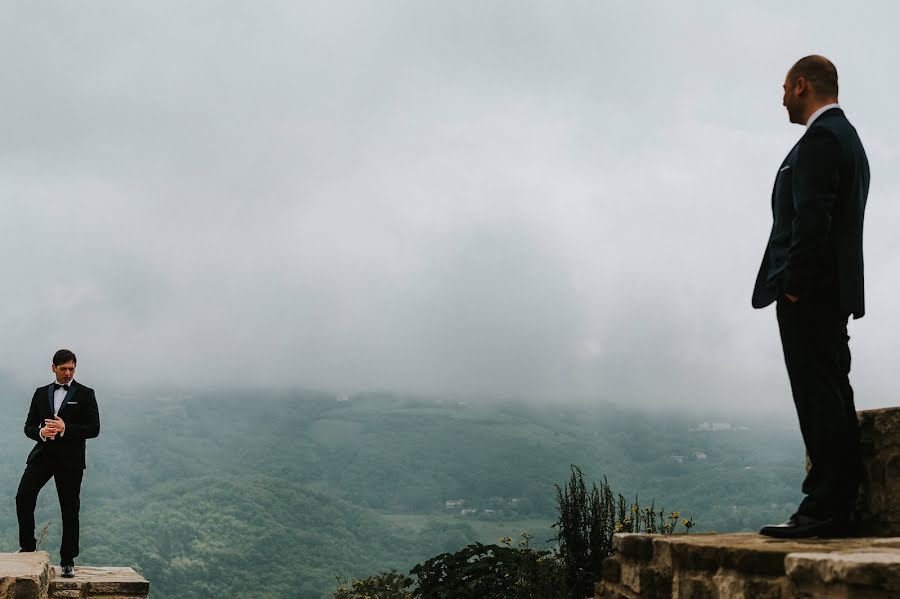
(817,355)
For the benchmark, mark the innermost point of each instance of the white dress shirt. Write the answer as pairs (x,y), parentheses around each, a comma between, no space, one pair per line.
(59,395)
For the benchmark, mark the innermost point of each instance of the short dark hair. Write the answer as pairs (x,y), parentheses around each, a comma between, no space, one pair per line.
(819,72)
(63,356)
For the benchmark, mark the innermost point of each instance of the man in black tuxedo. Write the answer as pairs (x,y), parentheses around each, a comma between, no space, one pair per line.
(813,269)
(62,416)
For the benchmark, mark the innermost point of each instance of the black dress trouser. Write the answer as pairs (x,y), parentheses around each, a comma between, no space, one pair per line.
(817,355)
(68,490)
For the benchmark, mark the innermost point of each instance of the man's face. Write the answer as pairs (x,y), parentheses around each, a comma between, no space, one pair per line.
(64,372)
(793,98)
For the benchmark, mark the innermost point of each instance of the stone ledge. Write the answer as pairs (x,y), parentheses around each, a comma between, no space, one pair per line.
(24,575)
(97,582)
(30,576)
(747,565)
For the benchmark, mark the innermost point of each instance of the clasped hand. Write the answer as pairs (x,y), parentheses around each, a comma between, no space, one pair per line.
(53,426)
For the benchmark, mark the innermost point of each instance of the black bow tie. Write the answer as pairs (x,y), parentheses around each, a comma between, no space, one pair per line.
(58,386)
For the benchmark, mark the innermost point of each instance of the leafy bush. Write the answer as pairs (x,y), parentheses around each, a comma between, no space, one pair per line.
(491,572)
(587,522)
(386,585)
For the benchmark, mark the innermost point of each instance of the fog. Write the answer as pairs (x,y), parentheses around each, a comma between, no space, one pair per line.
(504,199)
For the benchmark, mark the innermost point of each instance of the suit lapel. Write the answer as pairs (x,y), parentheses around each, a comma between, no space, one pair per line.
(68,396)
(65,400)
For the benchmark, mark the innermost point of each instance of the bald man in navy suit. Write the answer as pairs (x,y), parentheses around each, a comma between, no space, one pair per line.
(62,416)
(812,269)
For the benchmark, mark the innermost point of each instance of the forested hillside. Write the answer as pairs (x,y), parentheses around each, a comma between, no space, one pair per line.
(280,492)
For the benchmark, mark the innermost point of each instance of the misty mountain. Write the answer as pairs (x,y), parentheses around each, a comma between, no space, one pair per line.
(205,490)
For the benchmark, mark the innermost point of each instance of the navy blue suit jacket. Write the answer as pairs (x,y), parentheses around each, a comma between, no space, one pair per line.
(815,247)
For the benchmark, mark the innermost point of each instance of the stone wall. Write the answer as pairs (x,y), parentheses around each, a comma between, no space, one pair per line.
(879,505)
(747,565)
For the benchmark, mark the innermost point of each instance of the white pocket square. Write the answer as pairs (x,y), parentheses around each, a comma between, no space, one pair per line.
(784,168)
(72,403)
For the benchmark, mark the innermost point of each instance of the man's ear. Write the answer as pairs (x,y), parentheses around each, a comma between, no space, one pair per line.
(801,86)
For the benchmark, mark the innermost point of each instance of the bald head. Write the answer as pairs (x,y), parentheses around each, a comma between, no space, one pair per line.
(819,73)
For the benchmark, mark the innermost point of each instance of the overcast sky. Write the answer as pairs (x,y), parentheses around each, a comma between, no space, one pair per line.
(543,199)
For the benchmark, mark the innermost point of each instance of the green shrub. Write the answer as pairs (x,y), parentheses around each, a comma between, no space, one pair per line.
(386,585)
(587,521)
(491,572)
(586,525)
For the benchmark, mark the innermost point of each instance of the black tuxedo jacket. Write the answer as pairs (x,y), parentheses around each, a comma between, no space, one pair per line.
(815,247)
(78,411)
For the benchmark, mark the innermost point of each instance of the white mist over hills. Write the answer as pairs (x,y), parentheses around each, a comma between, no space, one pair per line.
(484,200)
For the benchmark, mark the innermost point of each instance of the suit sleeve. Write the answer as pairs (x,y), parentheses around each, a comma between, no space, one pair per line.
(91,427)
(33,420)
(815,184)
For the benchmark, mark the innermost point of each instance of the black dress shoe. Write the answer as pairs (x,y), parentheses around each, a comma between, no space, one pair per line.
(68,571)
(802,527)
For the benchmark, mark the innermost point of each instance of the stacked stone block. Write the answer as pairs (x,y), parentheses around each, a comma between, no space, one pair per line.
(879,506)
(748,566)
